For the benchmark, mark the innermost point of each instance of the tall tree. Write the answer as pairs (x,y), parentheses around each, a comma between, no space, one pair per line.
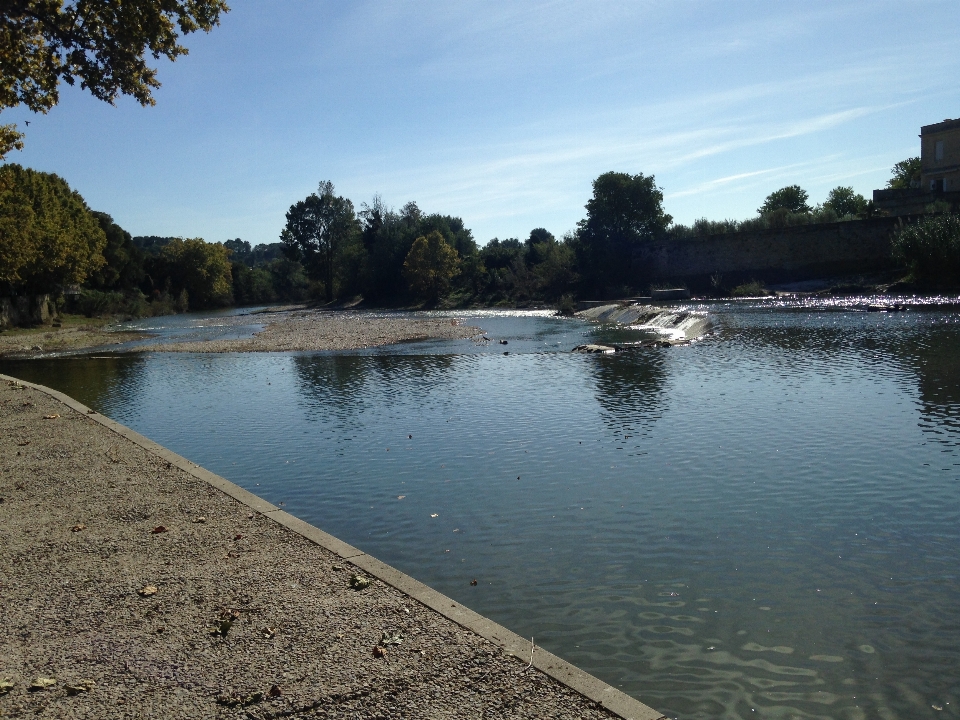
(48,235)
(101,43)
(792,198)
(624,214)
(317,228)
(430,266)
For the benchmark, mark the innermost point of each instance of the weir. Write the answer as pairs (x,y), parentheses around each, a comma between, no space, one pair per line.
(676,323)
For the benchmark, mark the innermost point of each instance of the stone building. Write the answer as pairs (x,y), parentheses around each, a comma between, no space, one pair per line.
(940,157)
(939,174)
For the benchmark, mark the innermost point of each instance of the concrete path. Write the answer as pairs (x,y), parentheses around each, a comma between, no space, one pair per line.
(134,584)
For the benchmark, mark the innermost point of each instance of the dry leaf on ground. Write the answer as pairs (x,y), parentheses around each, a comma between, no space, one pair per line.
(148,591)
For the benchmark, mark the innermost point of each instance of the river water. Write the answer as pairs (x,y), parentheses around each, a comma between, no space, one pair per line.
(764,524)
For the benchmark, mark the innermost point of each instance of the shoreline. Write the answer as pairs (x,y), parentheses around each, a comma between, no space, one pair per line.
(138,582)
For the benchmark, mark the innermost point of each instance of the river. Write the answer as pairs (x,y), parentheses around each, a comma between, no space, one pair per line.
(763,524)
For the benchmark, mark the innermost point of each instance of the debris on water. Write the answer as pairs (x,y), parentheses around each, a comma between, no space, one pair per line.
(409,437)
(359,582)
(434,515)
(503,342)
(400,497)
(591,348)
(473,582)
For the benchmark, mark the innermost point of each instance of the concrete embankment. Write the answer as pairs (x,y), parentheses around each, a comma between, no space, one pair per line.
(677,324)
(134,583)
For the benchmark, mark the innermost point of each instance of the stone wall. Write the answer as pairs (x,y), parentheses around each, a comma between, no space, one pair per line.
(792,254)
(26,310)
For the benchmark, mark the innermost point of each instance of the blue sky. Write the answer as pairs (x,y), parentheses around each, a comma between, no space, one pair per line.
(503,113)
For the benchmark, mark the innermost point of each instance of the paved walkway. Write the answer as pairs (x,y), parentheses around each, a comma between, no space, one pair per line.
(135,585)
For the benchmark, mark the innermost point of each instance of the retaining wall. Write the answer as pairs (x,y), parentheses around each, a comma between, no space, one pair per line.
(792,254)
(26,310)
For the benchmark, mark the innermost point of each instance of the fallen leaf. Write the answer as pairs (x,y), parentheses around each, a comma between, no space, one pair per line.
(147,591)
(42,683)
(269,632)
(81,686)
(158,529)
(359,582)
(379,652)
(275,691)
(78,527)
(23,443)
(6,686)
(338,567)
(200,519)
(51,417)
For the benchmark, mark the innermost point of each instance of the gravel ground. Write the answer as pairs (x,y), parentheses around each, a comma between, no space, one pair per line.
(34,342)
(115,590)
(327,330)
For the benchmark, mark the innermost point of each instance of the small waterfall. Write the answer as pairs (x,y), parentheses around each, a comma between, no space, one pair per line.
(678,324)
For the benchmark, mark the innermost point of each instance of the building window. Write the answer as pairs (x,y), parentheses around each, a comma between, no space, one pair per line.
(933,185)
(944,184)
(939,151)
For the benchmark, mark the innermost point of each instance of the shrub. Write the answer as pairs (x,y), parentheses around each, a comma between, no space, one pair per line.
(931,249)
(754,288)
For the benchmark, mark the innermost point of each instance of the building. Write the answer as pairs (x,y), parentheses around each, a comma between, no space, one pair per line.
(940,157)
(939,174)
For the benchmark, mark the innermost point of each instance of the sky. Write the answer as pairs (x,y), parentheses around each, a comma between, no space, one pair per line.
(504,113)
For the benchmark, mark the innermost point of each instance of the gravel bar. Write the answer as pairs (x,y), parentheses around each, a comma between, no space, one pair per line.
(328,330)
(134,584)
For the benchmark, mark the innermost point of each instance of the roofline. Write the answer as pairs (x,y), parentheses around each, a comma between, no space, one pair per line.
(939,127)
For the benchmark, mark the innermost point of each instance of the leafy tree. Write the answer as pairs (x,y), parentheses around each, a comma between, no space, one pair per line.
(792,198)
(123,269)
(624,214)
(844,201)
(430,266)
(48,236)
(905,174)
(317,228)
(931,248)
(101,43)
(196,270)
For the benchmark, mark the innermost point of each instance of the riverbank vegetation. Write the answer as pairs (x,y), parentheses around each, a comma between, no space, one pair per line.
(330,251)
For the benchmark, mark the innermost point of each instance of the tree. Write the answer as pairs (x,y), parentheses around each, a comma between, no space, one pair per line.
(200,268)
(844,201)
(124,260)
(48,236)
(101,43)
(792,198)
(317,227)
(430,266)
(624,214)
(906,174)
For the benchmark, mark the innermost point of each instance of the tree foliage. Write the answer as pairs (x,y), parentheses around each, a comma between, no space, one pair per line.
(844,201)
(931,248)
(792,198)
(318,230)
(905,174)
(101,43)
(199,269)
(624,214)
(48,236)
(430,266)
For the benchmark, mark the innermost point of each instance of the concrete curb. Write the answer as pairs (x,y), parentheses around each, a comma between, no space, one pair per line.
(557,668)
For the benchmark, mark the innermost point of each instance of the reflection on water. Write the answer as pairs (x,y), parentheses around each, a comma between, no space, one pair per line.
(764,524)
